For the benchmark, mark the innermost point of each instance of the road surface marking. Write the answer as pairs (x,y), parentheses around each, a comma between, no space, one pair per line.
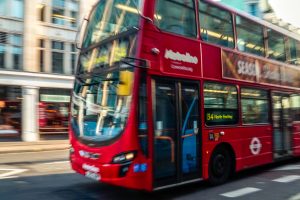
(240,192)
(287,179)
(56,162)
(296,197)
(286,168)
(9,177)
(11,172)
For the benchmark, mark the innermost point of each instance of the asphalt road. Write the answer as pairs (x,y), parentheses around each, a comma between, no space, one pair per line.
(47,175)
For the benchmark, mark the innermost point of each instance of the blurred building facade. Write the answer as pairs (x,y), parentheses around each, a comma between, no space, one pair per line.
(261,9)
(37,62)
(249,6)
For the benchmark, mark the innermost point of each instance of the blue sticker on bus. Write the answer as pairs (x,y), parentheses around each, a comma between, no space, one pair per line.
(136,168)
(143,167)
(140,167)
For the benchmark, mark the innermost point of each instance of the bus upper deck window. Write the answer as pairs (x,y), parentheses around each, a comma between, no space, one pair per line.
(216,25)
(294,52)
(176,17)
(276,46)
(250,36)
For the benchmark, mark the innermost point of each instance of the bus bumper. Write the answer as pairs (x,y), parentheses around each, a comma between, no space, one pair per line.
(123,175)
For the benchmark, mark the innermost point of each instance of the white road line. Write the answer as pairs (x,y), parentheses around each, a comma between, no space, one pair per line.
(11,172)
(288,167)
(9,177)
(240,192)
(287,179)
(296,197)
(56,162)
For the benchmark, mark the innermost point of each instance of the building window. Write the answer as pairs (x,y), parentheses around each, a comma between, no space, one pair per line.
(41,55)
(73,20)
(11,51)
(58,16)
(7,5)
(41,12)
(253,9)
(65,12)
(17,10)
(57,62)
(17,51)
(57,45)
(3,38)
(57,57)
(73,58)
(10,111)
(54,110)
(59,3)
(2,55)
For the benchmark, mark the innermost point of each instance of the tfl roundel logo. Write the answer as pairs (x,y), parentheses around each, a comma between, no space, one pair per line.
(255,146)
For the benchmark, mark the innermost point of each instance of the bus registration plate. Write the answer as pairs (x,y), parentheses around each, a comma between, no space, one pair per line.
(92,175)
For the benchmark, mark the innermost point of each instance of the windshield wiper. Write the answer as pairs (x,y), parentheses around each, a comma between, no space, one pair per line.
(140,14)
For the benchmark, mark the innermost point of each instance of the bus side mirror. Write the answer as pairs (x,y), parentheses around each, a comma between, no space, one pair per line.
(125,85)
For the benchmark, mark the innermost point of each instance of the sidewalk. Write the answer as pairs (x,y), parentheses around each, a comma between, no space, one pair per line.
(45,145)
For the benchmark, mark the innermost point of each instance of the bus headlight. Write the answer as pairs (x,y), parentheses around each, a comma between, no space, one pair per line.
(124,157)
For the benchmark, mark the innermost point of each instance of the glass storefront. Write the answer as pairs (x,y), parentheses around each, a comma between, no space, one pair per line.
(54,111)
(10,111)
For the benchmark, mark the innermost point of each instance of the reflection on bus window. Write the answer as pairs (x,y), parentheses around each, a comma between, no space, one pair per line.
(276,47)
(176,17)
(250,36)
(295,107)
(99,112)
(109,18)
(216,25)
(294,52)
(255,106)
(165,130)
(143,117)
(220,104)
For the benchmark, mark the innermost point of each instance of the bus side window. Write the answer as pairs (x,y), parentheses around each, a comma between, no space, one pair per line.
(250,36)
(220,104)
(176,17)
(293,51)
(142,116)
(255,106)
(216,25)
(276,46)
(295,107)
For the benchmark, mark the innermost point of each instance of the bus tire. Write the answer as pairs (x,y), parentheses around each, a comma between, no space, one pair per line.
(220,166)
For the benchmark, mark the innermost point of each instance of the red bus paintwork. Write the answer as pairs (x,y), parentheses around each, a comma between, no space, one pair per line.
(296,138)
(209,67)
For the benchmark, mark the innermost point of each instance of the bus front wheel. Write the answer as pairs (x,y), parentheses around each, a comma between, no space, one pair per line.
(219,166)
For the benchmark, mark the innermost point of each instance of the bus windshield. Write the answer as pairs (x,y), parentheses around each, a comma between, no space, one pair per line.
(111,17)
(100,105)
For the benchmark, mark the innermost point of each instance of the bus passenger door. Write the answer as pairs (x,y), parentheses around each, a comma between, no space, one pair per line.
(176,132)
(282,125)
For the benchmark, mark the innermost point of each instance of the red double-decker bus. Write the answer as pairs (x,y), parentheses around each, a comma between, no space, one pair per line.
(169,92)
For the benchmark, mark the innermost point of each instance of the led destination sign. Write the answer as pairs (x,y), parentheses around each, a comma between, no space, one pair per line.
(220,116)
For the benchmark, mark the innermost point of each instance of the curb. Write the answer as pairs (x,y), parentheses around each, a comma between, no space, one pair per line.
(32,148)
